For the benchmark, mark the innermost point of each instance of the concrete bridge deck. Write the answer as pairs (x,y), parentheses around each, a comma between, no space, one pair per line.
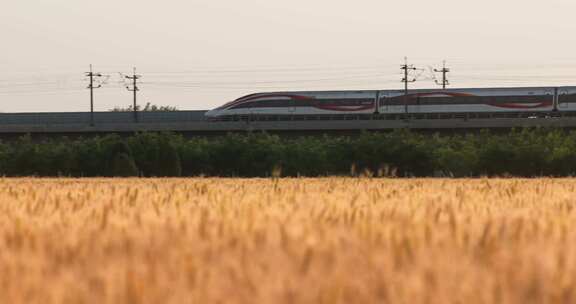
(204,127)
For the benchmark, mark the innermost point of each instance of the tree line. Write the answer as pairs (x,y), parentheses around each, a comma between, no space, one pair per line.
(526,152)
(146,108)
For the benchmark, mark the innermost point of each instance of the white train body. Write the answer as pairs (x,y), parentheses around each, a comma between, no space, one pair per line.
(491,100)
(566,99)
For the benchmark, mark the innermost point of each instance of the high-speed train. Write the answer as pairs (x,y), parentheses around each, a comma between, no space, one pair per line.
(488,100)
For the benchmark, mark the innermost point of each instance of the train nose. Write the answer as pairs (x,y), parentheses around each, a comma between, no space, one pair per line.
(212,114)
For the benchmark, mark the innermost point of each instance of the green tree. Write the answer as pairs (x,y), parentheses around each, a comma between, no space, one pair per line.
(121,161)
(147,108)
(123,166)
(168,162)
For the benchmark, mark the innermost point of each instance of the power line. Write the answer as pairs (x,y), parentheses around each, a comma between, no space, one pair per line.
(134,88)
(289,81)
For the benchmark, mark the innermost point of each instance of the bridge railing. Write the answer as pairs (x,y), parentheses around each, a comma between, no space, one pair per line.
(99,117)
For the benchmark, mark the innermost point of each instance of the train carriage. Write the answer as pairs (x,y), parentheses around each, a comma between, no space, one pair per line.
(300,103)
(421,101)
(493,100)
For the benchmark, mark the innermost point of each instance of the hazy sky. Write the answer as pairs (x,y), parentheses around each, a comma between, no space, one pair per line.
(197,54)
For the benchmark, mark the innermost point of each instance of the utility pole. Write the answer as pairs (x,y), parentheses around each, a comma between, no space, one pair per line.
(91,86)
(407,68)
(444,71)
(134,89)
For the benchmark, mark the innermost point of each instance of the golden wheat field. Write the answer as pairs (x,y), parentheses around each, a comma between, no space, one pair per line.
(331,240)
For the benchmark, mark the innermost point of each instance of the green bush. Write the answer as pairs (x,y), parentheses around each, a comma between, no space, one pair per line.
(155,154)
(526,152)
(168,161)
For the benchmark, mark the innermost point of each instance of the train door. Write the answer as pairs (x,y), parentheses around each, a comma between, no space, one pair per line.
(562,99)
(292,107)
(550,95)
(376,108)
(381,102)
(415,104)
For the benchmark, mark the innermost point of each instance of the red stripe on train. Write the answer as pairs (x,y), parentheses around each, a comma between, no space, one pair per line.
(344,108)
(254,97)
(259,96)
(522,106)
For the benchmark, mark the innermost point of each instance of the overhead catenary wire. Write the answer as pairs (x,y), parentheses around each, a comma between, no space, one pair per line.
(286,77)
(52,85)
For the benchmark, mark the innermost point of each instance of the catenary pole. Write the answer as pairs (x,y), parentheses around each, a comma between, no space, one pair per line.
(406,68)
(91,86)
(134,89)
(444,72)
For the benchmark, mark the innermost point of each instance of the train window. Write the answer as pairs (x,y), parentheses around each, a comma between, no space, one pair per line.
(244,105)
(302,102)
(446,100)
(520,99)
(345,102)
(276,103)
(567,98)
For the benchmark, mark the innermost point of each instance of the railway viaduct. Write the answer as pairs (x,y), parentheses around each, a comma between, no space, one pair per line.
(192,123)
